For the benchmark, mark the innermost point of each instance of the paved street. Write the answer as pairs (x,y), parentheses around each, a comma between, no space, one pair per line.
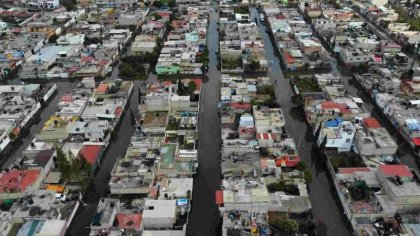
(100,188)
(204,218)
(325,205)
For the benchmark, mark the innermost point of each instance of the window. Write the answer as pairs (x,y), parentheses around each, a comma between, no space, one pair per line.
(348,140)
(292,158)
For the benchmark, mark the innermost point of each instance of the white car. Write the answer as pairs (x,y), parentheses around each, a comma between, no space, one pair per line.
(110,69)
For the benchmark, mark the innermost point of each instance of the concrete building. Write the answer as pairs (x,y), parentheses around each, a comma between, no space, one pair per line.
(268,120)
(115,3)
(157,97)
(17,183)
(372,139)
(326,110)
(352,56)
(106,212)
(159,214)
(246,127)
(339,135)
(47,4)
(56,128)
(132,175)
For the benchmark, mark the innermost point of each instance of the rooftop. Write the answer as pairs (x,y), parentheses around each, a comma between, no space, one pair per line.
(18,180)
(156,209)
(395,170)
(129,221)
(155,119)
(176,187)
(91,153)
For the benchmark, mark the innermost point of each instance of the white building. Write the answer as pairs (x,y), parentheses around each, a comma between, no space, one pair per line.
(339,135)
(378,3)
(159,214)
(48,4)
(352,56)
(115,3)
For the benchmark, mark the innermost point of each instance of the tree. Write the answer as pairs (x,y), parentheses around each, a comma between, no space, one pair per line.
(53,38)
(127,70)
(72,168)
(157,16)
(157,4)
(63,164)
(12,135)
(87,173)
(132,28)
(181,87)
(287,225)
(307,175)
(191,87)
(255,65)
(172,3)
(68,4)
(324,143)
(301,166)
(318,131)
(408,3)
(168,26)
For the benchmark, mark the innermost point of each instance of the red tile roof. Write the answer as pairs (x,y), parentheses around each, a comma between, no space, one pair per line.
(394,170)
(265,136)
(102,88)
(18,180)
(371,122)
(164,14)
(198,83)
(16,131)
(129,221)
(153,191)
(264,163)
(16,30)
(288,58)
(91,153)
(352,170)
(118,111)
(333,105)
(8,13)
(87,59)
(219,197)
(66,98)
(22,14)
(103,62)
(247,130)
(238,105)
